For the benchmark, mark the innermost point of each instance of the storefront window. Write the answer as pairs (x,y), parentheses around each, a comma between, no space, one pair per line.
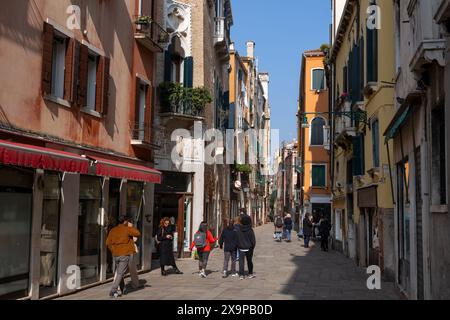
(134,209)
(89,229)
(49,234)
(15,231)
(112,217)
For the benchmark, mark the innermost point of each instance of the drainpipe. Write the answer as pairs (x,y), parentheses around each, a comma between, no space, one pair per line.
(140,8)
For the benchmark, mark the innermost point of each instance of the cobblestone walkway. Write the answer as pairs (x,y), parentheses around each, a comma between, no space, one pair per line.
(283,271)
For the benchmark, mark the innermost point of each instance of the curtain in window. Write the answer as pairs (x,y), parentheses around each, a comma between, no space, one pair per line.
(318,79)
(317,138)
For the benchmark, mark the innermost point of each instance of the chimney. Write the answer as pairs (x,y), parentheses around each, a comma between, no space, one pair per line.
(250,49)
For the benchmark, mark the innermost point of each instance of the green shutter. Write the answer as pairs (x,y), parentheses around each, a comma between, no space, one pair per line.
(376,144)
(167,66)
(318,176)
(372,55)
(358,155)
(189,72)
(318,79)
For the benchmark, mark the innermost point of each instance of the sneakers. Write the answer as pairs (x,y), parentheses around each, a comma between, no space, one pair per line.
(225,275)
(235,274)
(114,295)
(203,274)
(241,278)
(251,276)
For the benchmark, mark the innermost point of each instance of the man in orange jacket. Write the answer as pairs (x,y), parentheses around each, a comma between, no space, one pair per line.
(121,244)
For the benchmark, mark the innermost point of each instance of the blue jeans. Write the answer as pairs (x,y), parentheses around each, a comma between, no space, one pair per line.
(307,238)
(288,235)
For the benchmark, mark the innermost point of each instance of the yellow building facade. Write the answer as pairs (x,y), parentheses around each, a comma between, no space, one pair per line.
(363,68)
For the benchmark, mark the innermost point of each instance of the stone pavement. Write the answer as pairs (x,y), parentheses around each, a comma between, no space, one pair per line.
(284,271)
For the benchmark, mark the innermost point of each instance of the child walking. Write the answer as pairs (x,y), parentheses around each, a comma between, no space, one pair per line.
(229,238)
(203,240)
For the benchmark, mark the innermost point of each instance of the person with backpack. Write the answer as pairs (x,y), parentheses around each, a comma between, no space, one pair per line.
(288,226)
(228,242)
(164,237)
(203,239)
(278,234)
(246,243)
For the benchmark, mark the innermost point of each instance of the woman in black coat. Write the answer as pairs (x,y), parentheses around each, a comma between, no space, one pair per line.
(164,236)
(307,229)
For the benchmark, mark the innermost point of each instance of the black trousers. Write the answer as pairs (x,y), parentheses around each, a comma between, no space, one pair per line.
(324,243)
(243,255)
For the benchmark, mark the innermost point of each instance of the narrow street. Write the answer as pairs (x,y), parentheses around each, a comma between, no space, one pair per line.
(284,271)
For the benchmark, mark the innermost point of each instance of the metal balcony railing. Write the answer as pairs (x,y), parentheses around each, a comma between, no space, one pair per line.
(183,109)
(140,131)
(219,30)
(151,35)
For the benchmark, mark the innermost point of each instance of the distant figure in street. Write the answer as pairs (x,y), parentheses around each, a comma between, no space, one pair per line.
(288,226)
(324,231)
(164,236)
(246,243)
(237,225)
(203,239)
(278,224)
(307,229)
(121,244)
(228,242)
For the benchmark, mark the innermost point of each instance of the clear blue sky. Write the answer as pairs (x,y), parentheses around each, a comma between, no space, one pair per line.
(282,30)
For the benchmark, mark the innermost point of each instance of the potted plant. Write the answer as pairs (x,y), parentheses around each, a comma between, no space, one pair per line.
(200,98)
(143,20)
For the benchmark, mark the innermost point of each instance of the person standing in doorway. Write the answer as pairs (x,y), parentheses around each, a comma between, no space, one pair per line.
(203,239)
(307,229)
(324,231)
(121,244)
(164,236)
(246,243)
(228,242)
(288,226)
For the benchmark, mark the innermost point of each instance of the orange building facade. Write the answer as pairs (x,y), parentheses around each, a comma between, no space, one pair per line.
(313,136)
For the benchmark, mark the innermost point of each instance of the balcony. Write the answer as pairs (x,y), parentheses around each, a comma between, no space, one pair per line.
(221,42)
(151,35)
(182,111)
(141,135)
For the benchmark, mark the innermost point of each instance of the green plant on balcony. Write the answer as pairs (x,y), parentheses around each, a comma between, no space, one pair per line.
(243,168)
(143,20)
(180,99)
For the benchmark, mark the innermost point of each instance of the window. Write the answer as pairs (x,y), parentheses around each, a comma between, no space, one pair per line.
(317,132)
(319,176)
(372,54)
(358,156)
(58,65)
(89,229)
(376,143)
(318,79)
(143,102)
(92,81)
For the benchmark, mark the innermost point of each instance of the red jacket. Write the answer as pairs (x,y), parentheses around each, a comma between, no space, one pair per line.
(209,240)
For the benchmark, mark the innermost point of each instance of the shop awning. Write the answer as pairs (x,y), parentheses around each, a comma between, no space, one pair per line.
(122,170)
(414,98)
(24,155)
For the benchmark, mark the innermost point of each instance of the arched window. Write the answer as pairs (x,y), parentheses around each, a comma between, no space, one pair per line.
(317,132)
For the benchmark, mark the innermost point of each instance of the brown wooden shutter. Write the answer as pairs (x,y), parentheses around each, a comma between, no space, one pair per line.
(69,71)
(99,84)
(47,57)
(83,76)
(148,114)
(76,71)
(102,86)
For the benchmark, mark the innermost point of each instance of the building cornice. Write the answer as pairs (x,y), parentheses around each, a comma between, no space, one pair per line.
(342,29)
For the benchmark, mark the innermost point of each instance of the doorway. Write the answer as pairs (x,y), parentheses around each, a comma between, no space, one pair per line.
(178,208)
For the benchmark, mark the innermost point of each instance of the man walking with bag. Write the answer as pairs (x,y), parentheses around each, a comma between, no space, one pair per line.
(120,242)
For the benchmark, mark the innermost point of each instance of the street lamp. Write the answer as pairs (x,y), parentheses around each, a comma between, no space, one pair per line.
(358,115)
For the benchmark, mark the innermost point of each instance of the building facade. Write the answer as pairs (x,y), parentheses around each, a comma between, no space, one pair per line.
(75,148)
(363,95)
(419,133)
(314,138)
